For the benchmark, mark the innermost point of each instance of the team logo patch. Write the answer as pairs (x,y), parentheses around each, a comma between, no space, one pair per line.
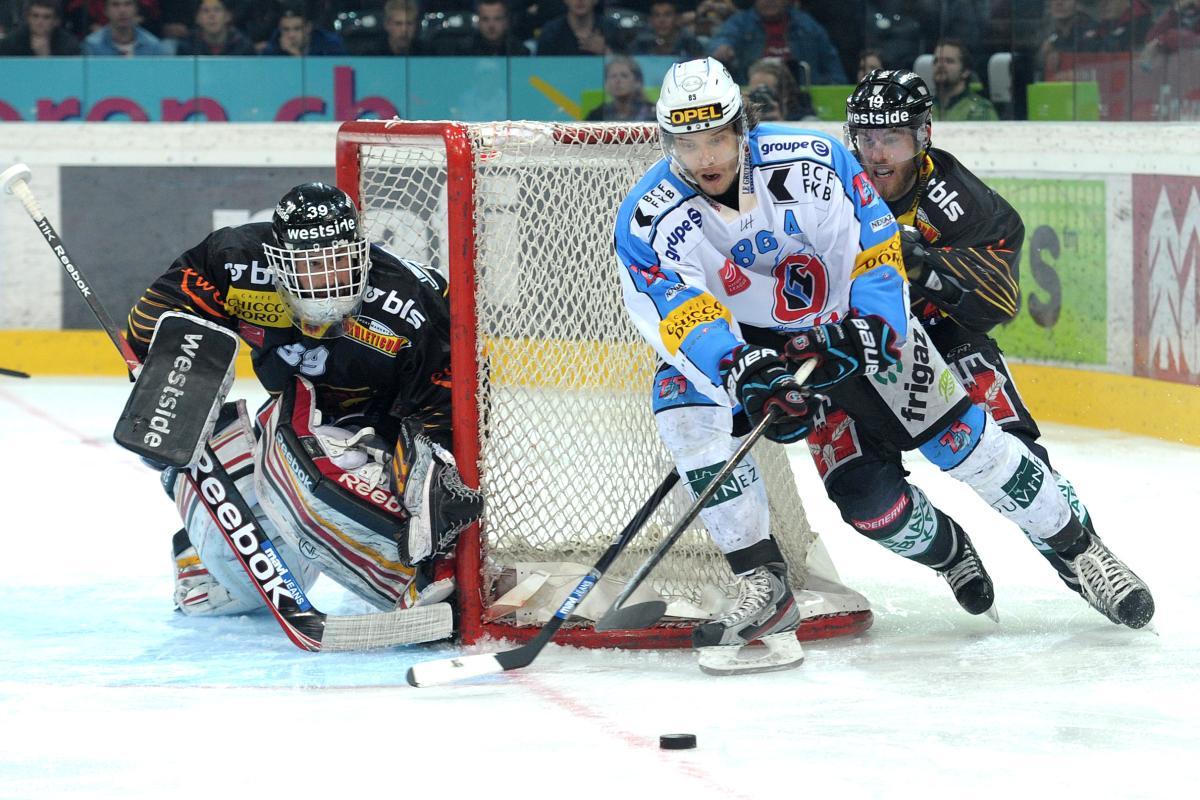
(864,189)
(957,436)
(672,388)
(801,287)
(833,442)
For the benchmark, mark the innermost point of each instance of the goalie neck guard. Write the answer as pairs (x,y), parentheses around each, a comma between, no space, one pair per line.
(330,488)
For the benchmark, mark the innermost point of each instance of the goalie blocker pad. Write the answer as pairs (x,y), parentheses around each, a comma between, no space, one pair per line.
(174,404)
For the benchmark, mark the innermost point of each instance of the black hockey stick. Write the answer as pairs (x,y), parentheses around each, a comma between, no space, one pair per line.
(446,670)
(307,627)
(643,615)
(13,373)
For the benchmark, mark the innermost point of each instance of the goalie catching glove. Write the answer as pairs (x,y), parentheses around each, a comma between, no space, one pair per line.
(855,346)
(425,476)
(758,379)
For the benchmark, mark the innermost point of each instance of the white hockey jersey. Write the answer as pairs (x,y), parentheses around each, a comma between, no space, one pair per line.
(811,241)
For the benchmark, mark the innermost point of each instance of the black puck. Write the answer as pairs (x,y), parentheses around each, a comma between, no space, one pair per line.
(677,741)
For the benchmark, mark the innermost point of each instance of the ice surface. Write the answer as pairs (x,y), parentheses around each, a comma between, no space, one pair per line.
(104,692)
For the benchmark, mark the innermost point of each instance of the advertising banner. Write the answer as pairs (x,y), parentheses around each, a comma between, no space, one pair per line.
(1166,257)
(1064,285)
(125,225)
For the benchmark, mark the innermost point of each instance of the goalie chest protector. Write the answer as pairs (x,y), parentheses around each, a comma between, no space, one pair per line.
(174,404)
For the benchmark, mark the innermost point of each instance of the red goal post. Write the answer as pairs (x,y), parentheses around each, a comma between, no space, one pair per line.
(551,381)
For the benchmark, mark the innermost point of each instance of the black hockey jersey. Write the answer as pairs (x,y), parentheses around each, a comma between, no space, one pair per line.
(975,237)
(393,360)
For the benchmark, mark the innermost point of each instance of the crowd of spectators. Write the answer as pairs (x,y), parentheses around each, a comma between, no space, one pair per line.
(776,48)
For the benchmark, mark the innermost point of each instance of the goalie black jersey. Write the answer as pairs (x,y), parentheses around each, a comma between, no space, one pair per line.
(974,236)
(393,360)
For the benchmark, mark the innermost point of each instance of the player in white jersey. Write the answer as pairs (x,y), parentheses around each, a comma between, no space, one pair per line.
(750,249)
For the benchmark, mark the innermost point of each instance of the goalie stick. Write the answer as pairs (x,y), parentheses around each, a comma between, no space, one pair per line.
(307,627)
(643,615)
(447,670)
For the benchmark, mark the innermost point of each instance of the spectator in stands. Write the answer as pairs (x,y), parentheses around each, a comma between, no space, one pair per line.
(868,61)
(664,36)
(954,99)
(122,36)
(1121,27)
(493,34)
(214,34)
(84,17)
(772,87)
(402,24)
(902,30)
(1177,29)
(625,93)
(296,35)
(40,34)
(582,31)
(1069,29)
(708,18)
(771,29)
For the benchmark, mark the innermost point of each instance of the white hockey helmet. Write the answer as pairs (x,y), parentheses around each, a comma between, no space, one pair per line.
(697,96)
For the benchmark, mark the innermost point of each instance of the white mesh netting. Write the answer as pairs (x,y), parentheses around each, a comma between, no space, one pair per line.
(569,448)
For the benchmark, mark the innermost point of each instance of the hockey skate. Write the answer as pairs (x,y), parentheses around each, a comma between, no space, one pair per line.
(765,611)
(969,581)
(1112,588)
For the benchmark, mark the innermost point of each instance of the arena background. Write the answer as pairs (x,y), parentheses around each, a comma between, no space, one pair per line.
(1108,335)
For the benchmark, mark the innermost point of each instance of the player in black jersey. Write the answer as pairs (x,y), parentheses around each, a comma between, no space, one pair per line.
(347,465)
(961,241)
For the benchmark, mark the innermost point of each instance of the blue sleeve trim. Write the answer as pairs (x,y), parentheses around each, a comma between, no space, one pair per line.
(707,345)
(881,292)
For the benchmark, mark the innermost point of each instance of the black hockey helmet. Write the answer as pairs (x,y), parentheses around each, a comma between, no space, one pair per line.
(889,99)
(320,257)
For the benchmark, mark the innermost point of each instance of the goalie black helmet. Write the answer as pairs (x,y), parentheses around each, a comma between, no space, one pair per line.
(320,257)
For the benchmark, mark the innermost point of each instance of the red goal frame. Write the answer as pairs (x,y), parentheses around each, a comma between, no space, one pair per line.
(461,197)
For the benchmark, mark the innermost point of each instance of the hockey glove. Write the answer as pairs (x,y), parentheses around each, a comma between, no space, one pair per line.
(942,290)
(854,346)
(912,248)
(758,379)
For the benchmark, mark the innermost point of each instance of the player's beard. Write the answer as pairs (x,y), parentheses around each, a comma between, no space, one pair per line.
(893,181)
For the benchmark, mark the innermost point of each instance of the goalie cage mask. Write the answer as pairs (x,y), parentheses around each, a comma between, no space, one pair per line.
(320,258)
(330,489)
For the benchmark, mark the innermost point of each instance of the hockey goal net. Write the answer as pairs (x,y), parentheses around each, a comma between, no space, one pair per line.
(551,380)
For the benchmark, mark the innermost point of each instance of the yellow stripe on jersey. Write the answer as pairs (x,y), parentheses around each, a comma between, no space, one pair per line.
(886,252)
(691,315)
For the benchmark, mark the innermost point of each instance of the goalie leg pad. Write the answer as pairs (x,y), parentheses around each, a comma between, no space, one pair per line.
(173,407)
(439,503)
(229,590)
(329,490)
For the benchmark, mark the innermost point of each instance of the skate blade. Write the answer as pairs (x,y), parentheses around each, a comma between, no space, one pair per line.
(781,651)
(993,614)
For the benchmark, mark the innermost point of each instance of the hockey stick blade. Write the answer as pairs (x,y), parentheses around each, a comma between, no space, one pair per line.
(405,626)
(448,670)
(634,617)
